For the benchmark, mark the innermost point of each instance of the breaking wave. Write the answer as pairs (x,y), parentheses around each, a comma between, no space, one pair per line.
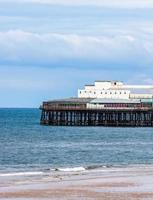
(73,169)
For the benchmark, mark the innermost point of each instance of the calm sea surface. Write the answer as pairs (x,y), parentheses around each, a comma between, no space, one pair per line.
(26,145)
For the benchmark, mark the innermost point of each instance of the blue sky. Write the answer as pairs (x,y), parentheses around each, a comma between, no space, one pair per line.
(49,49)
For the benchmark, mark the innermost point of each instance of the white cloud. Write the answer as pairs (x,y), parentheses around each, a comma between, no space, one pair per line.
(25,48)
(104,3)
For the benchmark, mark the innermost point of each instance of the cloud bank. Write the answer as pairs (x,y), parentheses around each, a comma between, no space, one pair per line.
(103,3)
(51,49)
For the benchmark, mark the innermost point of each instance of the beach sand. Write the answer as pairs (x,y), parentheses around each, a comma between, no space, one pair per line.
(101,184)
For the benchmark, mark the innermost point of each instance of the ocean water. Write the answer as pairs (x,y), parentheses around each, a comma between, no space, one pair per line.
(27,146)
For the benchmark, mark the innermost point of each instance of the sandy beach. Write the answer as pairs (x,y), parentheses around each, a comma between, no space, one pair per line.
(108,183)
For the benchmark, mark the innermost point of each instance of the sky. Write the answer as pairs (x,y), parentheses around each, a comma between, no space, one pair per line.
(50,48)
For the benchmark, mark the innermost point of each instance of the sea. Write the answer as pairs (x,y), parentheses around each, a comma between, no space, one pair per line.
(28,147)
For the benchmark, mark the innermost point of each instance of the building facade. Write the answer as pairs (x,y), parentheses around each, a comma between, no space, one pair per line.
(115,90)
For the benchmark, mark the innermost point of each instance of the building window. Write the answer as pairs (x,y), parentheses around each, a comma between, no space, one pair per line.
(80,92)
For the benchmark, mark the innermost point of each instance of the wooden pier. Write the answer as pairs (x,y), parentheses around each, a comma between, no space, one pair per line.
(75,112)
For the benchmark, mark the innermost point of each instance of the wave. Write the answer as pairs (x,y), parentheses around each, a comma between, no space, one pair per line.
(50,170)
(79,169)
(72,169)
(21,174)
(91,167)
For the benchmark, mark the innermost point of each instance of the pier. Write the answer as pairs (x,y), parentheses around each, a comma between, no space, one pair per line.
(83,112)
(104,103)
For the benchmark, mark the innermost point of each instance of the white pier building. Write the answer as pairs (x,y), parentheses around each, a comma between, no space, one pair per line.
(116,90)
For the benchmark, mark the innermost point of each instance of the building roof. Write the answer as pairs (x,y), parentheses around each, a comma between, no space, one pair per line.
(71,100)
(113,81)
(89,85)
(147,100)
(99,100)
(103,81)
(115,101)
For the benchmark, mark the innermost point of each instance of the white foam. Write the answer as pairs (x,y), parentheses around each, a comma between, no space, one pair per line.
(21,174)
(73,169)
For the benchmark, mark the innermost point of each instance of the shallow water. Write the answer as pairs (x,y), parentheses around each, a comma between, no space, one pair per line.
(26,145)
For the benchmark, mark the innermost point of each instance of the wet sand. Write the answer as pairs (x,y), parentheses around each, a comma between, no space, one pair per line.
(109,183)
